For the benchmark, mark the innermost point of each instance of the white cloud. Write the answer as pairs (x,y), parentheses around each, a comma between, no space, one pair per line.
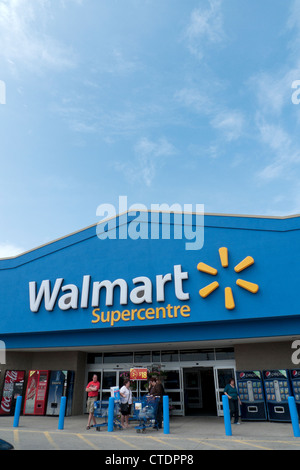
(64,3)
(273,92)
(119,64)
(285,152)
(211,151)
(24,39)
(293,24)
(148,148)
(194,99)
(85,116)
(205,27)
(149,156)
(231,123)
(8,250)
(274,136)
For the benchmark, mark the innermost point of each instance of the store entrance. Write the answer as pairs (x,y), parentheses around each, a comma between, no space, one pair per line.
(194,380)
(199,391)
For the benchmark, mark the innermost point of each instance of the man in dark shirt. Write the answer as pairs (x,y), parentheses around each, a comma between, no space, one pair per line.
(158,391)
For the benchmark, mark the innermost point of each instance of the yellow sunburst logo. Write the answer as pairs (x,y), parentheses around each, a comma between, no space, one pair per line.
(244,264)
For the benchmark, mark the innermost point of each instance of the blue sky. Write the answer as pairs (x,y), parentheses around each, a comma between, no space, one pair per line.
(164,101)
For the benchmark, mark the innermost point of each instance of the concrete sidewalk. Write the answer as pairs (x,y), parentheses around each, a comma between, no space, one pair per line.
(186,434)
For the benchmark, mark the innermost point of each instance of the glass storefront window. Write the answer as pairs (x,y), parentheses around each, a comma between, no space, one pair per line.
(174,396)
(197,355)
(172,380)
(109,379)
(105,396)
(94,358)
(175,406)
(116,358)
(169,356)
(224,376)
(124,375)
(225,353)
(156,356)
(142,357)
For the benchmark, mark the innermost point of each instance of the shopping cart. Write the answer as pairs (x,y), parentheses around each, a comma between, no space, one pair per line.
(101,411)
(145,411)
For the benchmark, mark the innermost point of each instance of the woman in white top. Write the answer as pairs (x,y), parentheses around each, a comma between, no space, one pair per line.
(126,402)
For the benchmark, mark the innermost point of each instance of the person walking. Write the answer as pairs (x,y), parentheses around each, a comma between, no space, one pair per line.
(93,389)
(234,400)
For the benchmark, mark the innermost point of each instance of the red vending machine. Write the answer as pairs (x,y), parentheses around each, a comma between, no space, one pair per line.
(12,388)
(36,392)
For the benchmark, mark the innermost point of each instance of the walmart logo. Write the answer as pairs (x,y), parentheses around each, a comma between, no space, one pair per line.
(244,264)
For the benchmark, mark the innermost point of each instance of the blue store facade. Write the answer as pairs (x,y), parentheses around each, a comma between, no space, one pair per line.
(98,304)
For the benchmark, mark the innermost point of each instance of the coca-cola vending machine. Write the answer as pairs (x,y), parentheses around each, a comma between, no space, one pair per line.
(36,392)
(13,387)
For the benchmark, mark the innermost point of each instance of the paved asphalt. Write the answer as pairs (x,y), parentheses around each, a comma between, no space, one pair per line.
(186,434)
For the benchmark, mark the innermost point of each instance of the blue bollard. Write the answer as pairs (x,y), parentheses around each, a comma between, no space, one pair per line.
(17,412)
(62,412)
(226,411)
(294,416)
(111,406)
(166,414)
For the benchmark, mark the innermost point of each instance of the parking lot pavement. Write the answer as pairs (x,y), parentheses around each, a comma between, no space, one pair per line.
(186,434)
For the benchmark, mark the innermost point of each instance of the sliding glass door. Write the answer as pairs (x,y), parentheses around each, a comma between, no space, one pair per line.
(222,377)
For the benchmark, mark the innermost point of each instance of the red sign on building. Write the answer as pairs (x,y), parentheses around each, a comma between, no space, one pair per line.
(138,374)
